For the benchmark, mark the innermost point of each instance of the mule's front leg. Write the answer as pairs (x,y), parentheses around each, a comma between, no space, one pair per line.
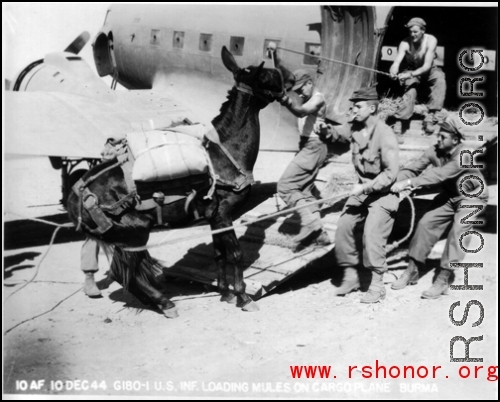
(227,295)
(235,259)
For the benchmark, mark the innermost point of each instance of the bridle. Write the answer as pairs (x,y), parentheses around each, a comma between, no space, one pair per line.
(263,94)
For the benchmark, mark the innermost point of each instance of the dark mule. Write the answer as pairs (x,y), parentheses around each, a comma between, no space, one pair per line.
(233,159)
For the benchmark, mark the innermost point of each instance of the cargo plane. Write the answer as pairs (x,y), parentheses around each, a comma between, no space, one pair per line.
(167,58)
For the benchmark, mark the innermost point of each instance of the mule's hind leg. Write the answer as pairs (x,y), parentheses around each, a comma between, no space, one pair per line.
(136,272)
(164,304)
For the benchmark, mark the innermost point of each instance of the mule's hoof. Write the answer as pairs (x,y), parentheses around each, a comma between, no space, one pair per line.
(171,313)
(89,287)
(250,307)
(228,298)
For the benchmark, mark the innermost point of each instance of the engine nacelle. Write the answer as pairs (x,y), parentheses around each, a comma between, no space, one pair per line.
(59,72)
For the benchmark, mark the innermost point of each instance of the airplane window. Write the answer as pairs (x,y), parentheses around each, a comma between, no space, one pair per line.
(312,49)
(205,42)
(236,45)
(155,37)
(266,44)
(178,40)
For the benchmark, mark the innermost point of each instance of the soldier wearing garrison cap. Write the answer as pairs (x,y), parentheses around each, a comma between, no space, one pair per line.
(417,53)
(375,156)
(449,207)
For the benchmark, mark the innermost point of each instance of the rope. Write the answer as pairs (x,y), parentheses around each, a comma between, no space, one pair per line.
(37,265)
(240,225)
(390,248)
(64,225)
(335,61)
(37,268)
(45,312)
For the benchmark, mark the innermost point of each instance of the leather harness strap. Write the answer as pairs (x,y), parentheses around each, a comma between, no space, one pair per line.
(244,179)
(90,201)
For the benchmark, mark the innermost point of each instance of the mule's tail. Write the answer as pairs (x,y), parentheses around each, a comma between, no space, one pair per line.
(126,266)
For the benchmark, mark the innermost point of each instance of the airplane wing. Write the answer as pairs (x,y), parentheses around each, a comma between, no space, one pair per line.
(70,125)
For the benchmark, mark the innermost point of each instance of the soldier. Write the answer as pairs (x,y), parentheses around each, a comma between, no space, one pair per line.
(296,186)
(447,208)
(418,51)
(90,248)
(375,156)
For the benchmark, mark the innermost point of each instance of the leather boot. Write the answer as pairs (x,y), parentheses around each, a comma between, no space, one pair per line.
(440,285)
(90,288)
(409,277)
(323,239)
(349,283)
(310,221)
(376,291)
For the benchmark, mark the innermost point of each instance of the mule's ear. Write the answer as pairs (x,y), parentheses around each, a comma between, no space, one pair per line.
(260,67)
(228,60)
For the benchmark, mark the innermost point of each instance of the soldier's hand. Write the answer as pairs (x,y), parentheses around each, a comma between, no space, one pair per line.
(394,73)
(323,130)
(285,100)
(271,48)
(399,186)
(404,76)
(357,189)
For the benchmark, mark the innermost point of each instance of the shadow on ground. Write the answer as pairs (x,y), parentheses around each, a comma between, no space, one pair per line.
(28,233)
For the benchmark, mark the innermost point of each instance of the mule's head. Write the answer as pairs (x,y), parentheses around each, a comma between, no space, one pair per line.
(266,83)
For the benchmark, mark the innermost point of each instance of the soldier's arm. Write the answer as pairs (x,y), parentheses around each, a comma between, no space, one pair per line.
(331,133)
(416,167)
(410,171)
(439,174)
(311,106)
(402,49)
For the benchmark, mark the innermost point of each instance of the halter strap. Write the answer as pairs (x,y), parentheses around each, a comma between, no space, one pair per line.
(248,90)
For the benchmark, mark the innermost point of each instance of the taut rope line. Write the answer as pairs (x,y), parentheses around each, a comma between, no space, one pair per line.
(335,61)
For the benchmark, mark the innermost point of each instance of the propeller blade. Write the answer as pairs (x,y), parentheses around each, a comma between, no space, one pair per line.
(78,44)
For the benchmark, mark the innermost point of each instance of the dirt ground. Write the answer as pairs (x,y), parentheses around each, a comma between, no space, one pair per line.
(57,341)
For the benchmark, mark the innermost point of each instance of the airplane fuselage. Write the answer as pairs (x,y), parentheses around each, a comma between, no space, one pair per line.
(141,44)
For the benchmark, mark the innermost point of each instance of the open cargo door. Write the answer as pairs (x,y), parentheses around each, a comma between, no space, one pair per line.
(351,34)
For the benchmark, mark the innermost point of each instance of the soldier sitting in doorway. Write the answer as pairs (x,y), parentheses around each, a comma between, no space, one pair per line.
(418,50)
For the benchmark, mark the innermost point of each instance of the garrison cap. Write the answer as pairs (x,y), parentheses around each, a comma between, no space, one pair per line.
(301,77)
(364,94)
(451,124)
(416,21)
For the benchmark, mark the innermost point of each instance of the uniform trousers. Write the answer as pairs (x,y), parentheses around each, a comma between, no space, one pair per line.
(435,81)
(445,212)
(374,214)
(297,182)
